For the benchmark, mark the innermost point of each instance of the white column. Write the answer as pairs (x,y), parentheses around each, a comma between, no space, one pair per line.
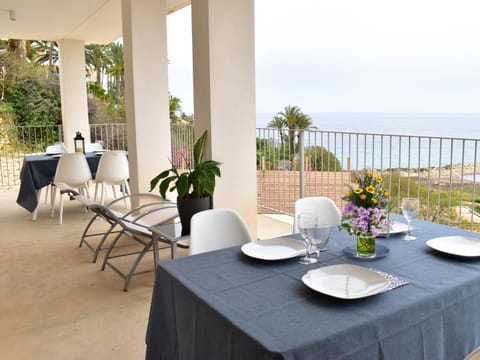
(73,90)
(224,97)
(146,90)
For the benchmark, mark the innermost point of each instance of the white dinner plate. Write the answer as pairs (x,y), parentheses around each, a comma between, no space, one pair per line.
(345,281)
(396,228)
(274,249)
(456,245)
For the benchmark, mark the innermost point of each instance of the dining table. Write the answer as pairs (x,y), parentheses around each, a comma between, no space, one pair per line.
(227,305)
(38,171)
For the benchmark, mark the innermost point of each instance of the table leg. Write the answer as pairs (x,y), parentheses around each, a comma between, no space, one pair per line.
(174,249)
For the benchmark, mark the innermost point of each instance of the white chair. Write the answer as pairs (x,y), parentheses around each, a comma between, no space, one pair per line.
(90,147)
(474,355)
(112,170)
(324,207)
(72,172)
(58,148)
(217,229)
(55,149)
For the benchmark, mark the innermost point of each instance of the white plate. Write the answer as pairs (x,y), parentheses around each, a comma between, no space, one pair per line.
(274,249)
(396,228)
(345,281)
(456,245)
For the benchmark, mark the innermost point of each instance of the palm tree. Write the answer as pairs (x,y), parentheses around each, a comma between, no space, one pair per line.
(117,69)
(278,123)
(46,52)
(96,59)
(296,121)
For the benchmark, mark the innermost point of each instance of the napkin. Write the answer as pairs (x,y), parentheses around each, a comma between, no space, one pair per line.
(393,281)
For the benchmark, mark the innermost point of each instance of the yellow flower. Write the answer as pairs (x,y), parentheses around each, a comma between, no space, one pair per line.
(379,179)
(363,196)
(369,174)
(370,189)
(386,194)
(358,190)
(375,201)
(347,193)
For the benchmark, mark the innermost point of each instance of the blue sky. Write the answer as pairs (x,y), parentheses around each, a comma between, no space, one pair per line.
(353,56)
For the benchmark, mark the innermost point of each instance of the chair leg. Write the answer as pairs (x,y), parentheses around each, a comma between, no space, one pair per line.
(135,264)
(61,210)
(53,192)
(96,191)
(112,245)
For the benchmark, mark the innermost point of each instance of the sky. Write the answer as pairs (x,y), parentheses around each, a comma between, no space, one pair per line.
(409,56)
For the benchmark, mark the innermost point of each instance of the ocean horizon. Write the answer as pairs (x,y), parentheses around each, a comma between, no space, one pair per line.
(407,151)
(456,125)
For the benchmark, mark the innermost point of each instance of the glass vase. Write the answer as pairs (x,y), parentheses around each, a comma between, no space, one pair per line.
(366,246)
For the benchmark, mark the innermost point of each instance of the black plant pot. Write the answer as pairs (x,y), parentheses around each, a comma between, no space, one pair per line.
(189,207)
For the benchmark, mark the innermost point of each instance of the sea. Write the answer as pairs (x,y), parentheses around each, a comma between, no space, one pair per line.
(428,139)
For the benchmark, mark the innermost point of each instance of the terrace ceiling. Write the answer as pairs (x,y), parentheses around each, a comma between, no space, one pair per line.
(94,21)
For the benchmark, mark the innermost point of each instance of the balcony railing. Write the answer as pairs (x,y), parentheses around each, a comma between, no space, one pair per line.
(441,172)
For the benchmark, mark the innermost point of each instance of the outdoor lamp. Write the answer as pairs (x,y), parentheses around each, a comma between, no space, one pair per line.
(79,142)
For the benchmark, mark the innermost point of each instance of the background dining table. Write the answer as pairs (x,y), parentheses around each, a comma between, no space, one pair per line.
(225,305)
(38,171)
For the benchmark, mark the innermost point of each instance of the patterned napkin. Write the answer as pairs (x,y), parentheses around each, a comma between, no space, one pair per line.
(393,281)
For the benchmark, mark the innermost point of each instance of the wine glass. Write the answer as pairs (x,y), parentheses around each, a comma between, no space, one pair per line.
(410,210)
(306,224)
(319,238)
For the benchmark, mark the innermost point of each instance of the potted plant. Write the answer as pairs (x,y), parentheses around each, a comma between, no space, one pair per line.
(194,187)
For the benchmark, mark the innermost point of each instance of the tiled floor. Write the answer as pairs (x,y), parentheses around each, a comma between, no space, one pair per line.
(56,304)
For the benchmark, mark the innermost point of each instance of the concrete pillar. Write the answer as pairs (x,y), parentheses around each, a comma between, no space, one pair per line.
(73,90)
(224,98)
(146,90)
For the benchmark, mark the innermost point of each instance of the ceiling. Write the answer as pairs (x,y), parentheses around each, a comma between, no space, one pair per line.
(94,21)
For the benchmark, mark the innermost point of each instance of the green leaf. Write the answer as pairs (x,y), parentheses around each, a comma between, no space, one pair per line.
(182,186)
(198,149)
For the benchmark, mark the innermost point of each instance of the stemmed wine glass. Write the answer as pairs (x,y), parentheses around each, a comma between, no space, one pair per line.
(306,224)
(319,238)
(410,210)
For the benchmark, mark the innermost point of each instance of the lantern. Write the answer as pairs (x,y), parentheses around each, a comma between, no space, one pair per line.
(79,142)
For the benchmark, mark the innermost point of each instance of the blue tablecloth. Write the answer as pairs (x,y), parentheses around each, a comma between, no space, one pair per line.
(38,171)
(224,305)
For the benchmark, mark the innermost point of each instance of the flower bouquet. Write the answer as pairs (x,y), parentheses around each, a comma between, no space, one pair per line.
(365,213)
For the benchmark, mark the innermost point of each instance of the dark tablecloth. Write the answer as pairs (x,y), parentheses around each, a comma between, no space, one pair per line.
(38,171)
(224,305)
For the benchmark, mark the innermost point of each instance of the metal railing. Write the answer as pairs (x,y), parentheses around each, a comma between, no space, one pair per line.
(441,172)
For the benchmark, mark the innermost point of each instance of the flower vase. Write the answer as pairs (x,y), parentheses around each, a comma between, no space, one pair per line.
(366,246)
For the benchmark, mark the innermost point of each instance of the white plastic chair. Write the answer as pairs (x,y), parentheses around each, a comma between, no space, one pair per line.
(324,207)
(90,147)
(474,355)
(217,229)
(112,170)
(73,172)
(58,148)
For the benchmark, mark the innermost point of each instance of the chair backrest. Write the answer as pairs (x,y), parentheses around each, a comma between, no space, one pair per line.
(217,229)
(89,147)
(324,207)
(58,148)
(73,169)
(113,167)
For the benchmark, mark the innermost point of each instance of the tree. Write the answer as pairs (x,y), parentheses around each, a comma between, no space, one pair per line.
(174,104)
(116,69)
(279,123)
(46,52)
(295,121)
(96,59)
